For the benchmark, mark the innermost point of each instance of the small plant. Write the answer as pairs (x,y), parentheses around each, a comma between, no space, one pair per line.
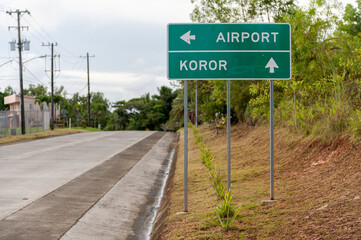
(207,158)
(355,123)
(195,130)
(198,138)
(201,145)
(225,212)
(217,183)
(226,208)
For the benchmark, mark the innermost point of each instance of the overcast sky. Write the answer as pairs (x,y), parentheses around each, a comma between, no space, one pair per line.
(128,39)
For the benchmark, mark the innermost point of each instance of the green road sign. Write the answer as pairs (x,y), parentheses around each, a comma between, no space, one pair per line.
(229,51)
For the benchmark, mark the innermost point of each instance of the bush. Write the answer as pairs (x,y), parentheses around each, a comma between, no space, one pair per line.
(83,123)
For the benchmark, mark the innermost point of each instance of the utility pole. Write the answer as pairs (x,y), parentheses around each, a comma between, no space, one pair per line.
(196,104)
(52,82)
(87,63)
(19,13)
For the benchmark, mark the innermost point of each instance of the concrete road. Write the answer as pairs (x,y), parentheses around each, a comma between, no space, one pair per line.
(101,185)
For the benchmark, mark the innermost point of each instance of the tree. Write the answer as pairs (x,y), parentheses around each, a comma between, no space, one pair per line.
(352,19)
(165,99)
(146,112)
(60,91)
(39,90)
(121,117)
(9,90)
(231,11)
(273,9)
(212,11)
(42,99)
(100,108)
(3,107)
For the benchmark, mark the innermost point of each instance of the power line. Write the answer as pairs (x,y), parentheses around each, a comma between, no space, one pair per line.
(34,75)
(37,32)
(7,62)
(52,38)
(70,81)
(4,6)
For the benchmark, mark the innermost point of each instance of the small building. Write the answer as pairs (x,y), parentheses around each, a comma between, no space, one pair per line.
(14,102)
(32,111)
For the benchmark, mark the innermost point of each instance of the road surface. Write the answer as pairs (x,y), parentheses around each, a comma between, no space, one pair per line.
(100,185)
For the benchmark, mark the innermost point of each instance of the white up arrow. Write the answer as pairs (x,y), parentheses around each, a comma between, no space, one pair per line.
(271,65)
(187,37)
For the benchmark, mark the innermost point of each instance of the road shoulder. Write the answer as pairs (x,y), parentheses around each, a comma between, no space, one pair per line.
(127,211)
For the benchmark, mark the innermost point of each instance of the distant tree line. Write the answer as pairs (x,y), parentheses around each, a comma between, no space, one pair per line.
(145,112)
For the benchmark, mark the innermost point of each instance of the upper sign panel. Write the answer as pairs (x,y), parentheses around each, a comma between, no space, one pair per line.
(229,51)
(229,37)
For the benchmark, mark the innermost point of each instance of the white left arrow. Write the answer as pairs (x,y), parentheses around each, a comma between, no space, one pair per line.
(187,37)
(271,65)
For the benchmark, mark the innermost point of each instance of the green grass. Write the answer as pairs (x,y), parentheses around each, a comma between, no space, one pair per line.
(34,129)
(89,129)
(6,132)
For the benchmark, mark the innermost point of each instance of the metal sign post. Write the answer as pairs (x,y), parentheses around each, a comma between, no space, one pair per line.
(196,104)
(185,146)
(228,52)
(271,141)
(228,135)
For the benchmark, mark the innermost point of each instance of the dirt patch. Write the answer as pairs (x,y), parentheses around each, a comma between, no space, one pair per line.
(317,187)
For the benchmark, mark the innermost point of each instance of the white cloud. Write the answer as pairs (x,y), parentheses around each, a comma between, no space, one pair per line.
(140,62)
(53,13)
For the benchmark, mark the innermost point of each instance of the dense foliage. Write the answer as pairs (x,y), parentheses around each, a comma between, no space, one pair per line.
(142,113)
(2,105)
(323,97)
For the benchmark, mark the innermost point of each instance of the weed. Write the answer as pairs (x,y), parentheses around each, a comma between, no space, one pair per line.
(206,158)
(195,130)
(355,123)
(225,212)
(226,207)
(217,183)
(198,138)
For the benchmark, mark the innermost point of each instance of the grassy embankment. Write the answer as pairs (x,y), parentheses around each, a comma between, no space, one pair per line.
(317,187)
(49,133)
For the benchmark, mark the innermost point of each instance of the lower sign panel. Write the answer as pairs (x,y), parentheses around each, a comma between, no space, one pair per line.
(229,65)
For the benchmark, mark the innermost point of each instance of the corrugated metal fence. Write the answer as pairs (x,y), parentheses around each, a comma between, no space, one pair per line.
(35,121)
